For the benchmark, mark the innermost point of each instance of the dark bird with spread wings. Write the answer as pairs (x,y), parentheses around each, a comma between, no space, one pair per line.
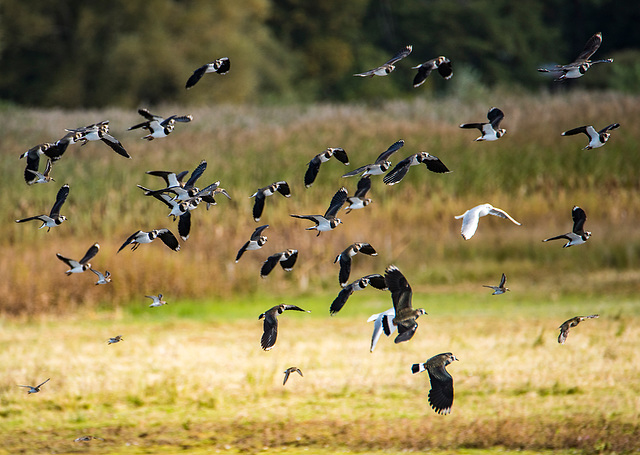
(328,221)
(316,161)
(442,64)
(388,66)
(270,326)
(401,295)
(567,325)
(220,66)
(441,393)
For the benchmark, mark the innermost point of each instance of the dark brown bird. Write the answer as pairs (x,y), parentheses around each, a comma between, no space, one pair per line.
(345,259)
(290,370)
(376,280)
(566,326)
(441,393)
(401,295)
(271,324)
(442,64)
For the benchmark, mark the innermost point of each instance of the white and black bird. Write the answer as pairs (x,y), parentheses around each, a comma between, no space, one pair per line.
(581,64)
(345,259)
(578,235)
(567,325)
(316,161)
(156,300)
(442,64)
(158,126)
(103,278)
(389,65)
(328,221)
(380,165)
(500,288)
(35,389)
(376,280)
(359,200)
(220,66)
(115,339)
(290,370)
(54,218)
(596,138)
(41,177)
(180,191)
(471,217)
(287,259)
(441,393)
(83,264)
(140,237)
(433,164)
(491,131)
(270,326)
(255,242)
(100,132)
(401,294)
(281,187)
(383,323)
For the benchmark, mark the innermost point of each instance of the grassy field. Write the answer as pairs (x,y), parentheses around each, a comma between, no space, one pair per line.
(191,376)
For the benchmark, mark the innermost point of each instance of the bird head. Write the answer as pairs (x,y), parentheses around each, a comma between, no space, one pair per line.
(501,132)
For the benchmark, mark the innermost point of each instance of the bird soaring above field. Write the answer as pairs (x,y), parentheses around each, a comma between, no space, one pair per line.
(316,161)
(81,265)
(401,295)
(581,64)
(380,165)
(159,126)
(376,280)
(490,131)
(290,370)
(54,218)
(442,64)
(281,187)
(345,259)
(359,199)
(286,259)
(441,393)
(567,325)
(100,132)
(220,66)
(471,217)
(500,288)
(157,300)
(578,235)
(389,66)
(255,242)
(383,324)
(596,138)
(41,177)
(53,151)
(140,237)
(433,164)
(103,278)
(328,221)
(270,326)
(115,339)
(35,389)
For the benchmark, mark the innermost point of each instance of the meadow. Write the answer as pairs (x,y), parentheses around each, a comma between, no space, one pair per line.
(190,376)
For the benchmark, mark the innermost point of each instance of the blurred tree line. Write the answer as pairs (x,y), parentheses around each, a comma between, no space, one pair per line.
(74,53)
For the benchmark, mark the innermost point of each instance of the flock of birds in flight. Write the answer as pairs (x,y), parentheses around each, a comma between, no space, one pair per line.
(183,197)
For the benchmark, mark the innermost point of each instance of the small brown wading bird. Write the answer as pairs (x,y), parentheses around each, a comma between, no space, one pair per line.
(389,66)
(566,326)
(500,288)
(270,326)
(401,295)
(35,389)
(581,64)
(441,393)
(290,370)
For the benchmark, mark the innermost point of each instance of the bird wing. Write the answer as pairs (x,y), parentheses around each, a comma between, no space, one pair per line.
(340,155)
(60,198)
(478,126)
(195,175)
(441,393)
(242,250)
(382,324)
(70,262)
(356,171)
(258,206)
(579,217)
(502,214)
(40,385)
(590,48)
(312,171)
(377,281)
(115,145)
(396,174)
(184,226)
(400,289)
(91,252)
(293,307)
(557,237)
(384,156)
(129,240)
(424,70)
(337,201)
(580,130)
(444,68)
(470,220)
(406,330)
(364,185)
(404,52)
(434,164)
(270,330)
(503,280)
(341,299)
(196,76)
(613,126)
(269,264)
(367,249)
(345,269)
(258,232)
(288,263)
(283,188)
(495,116)
(169,239)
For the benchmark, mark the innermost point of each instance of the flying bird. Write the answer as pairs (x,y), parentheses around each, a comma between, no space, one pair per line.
(35,389)
(389,66)
(220,66)
(316,161)
(329,220)
(286,259)
(359,199)
(581,64)
(596,138)
(270,326)
(158,126)
(376,280)
(157,300)
(81,265)
(139,237)
(100,132)
(500,288)
(255,242)
(380,165)
(491,131)
(441,393)
(567,325)
(442,64)
(433,164)
(115,339)
(103,278)
(401,295)
(54,218)
(41,177)
(471,217)
(281,187)
(382,324)
(290,370)
(578,235)
(345,259)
